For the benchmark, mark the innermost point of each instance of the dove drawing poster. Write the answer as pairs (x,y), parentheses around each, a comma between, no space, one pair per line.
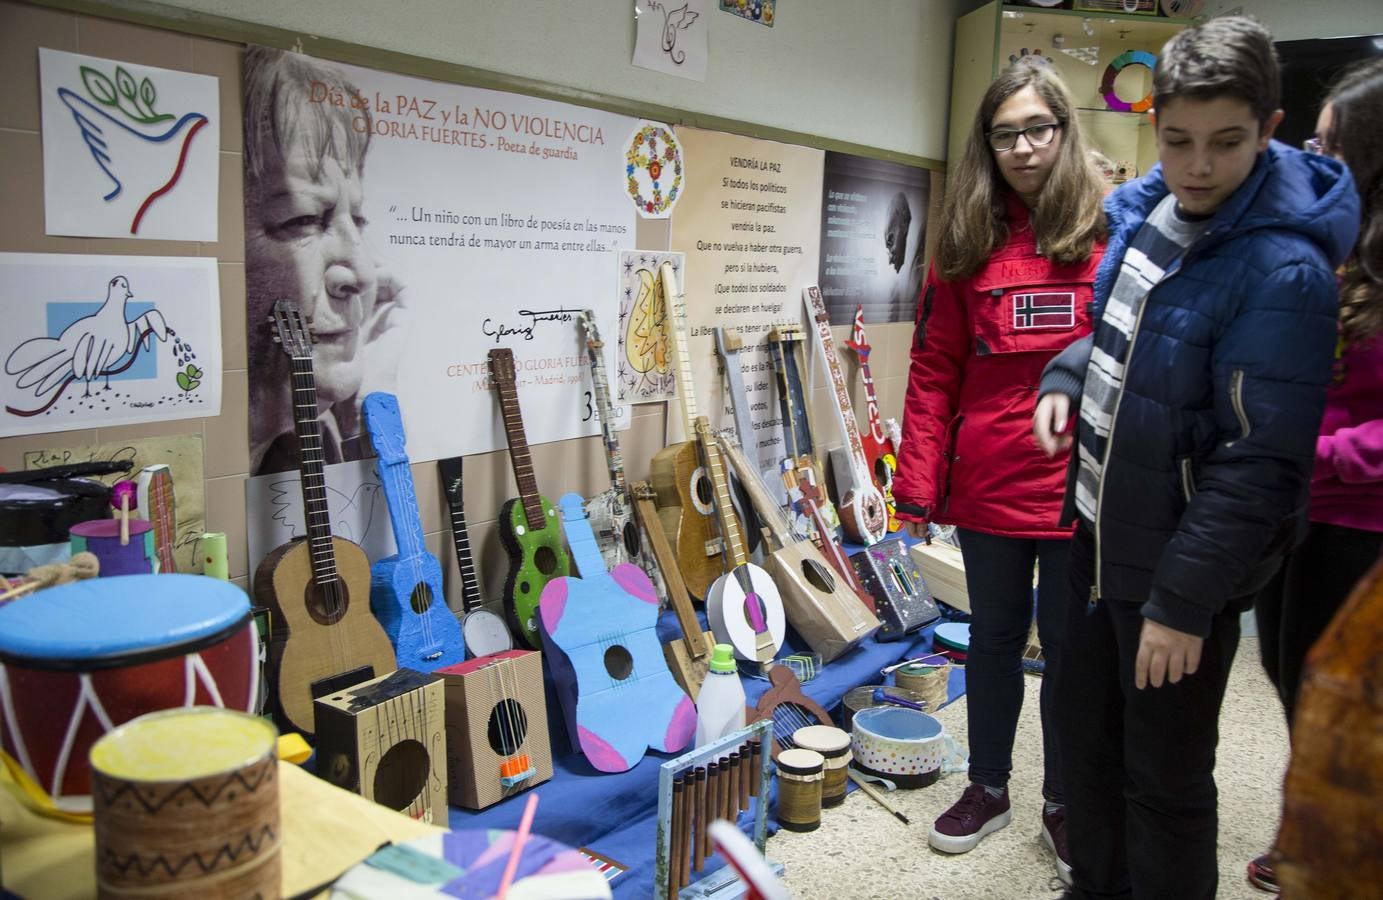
(91,341)
(129,151)
(670,37)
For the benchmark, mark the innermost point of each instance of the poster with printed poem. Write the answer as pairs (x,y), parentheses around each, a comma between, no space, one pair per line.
(751,233)
(421,224)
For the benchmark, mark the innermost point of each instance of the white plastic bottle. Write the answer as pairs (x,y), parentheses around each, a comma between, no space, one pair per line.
(720,705)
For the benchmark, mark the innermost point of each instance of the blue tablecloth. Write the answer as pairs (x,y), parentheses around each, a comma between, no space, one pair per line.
(616,815)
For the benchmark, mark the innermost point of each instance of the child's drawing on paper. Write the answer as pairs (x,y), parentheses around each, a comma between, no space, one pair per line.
(644,365)
(127,150)
(107,340)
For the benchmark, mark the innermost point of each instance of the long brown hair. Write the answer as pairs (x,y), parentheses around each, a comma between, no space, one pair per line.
(1356,137)
(1069,217)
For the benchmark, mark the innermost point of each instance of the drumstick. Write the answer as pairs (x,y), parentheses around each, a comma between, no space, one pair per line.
(124,493)
(878,797)
(19,590)
(517,850)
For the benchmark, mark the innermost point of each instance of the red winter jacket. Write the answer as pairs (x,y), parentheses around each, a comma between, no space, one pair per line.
(968,456)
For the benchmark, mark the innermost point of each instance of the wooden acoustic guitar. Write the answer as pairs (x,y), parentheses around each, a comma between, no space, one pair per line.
(689,657)
(406,591)
(821,605)
(743,605)
(859,502)
(686,498)
(528,526)
(617,695)
(317,589)
(879,453)
(485,632)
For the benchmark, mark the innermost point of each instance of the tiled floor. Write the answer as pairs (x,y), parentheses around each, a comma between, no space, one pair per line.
(861,851)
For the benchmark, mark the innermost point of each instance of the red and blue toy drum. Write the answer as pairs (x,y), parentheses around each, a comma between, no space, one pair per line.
(80,659)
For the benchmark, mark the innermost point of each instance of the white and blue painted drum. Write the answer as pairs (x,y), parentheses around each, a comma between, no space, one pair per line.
(907,747)
(80,659)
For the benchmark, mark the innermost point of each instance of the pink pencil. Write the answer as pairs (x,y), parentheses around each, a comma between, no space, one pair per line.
(517,850)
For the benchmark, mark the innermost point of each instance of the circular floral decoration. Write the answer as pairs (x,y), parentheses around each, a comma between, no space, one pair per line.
(1111,98)
(653,170)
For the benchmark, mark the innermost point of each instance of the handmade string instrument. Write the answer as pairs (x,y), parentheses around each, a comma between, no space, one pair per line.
(616,692)
(317,589)
(785,350)
(787,707)
(861,505)
(689,657)
(743,605)
(821,606)
(729,344)
(406,591)
(879,453)
(685,497)
(528,526)
(156,503)
(485,633)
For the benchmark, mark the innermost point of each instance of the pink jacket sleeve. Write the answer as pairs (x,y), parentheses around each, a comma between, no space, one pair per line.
(1354,454)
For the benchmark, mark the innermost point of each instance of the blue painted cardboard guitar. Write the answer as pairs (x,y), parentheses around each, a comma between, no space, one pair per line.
(617,695)
(406,592)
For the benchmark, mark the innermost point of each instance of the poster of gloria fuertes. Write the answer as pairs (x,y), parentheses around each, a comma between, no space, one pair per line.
(420,224)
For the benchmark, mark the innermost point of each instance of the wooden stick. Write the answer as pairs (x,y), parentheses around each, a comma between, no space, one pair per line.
(684,849)
(124,520)
(20,589)
(699,811)
(877,796)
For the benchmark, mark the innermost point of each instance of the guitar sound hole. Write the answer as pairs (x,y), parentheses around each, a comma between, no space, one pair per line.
(401,775)
(421,598)
(883,472)
(326,606)
(756,601)
(508,727)
(545,560)
(618,663)
(817,576)
(705,491)
(632,544)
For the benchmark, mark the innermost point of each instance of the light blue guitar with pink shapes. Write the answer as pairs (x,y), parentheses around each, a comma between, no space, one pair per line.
(617,695)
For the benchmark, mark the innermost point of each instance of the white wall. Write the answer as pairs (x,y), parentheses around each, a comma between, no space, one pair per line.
(875,73)
(1294,20)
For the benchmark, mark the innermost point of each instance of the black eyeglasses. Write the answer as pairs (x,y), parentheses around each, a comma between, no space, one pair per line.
(1039,135)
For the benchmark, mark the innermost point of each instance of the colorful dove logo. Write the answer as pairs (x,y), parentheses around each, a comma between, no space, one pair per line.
(135,137)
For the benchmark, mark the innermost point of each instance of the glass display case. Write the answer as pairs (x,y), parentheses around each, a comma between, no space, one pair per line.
(1105,59)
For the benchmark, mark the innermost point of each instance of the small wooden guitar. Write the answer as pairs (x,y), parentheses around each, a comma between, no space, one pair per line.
(810,498)
(406,590)
(787,707)
(317,589)
(618,697)
(879,453)
(743,605)
(689,657)
(861,505)
(686,498)
(821,605)
(528,526)
(485,632)
(155,503)
(785,350)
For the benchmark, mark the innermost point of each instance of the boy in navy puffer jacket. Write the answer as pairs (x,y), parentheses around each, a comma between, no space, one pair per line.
(1197,402)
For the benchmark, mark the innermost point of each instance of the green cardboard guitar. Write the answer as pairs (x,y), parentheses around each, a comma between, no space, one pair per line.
(529,527)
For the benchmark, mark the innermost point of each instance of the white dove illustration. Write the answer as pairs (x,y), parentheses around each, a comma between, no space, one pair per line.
(117,146)
(88,349)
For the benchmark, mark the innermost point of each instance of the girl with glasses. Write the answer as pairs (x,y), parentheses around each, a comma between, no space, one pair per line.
(1010,287)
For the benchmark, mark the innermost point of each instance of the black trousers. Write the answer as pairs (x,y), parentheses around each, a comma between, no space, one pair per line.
(998,575)
(1294,608)
(1141,802)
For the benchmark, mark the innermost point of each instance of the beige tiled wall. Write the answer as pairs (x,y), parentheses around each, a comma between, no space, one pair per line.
(576,465)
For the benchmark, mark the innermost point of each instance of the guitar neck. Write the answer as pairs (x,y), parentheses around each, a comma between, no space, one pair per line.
(845,414)
(672,576)
(675,303)
(585,551)
(402,501)
(519,457)
(450,472)
(731,538)
(316,512)
(728,344)
(778,352)
(613,459)
(862,349)
(162,515)
(769,511)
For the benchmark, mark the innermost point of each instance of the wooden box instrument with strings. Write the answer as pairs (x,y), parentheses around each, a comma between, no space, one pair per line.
(900,592)
(497,735)
(385,739)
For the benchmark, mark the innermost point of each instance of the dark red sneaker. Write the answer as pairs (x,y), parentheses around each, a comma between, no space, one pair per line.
(1054,833)
(973,816)
(1262,876)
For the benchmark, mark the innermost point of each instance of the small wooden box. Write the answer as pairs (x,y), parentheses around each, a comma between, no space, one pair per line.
(385,739)
(496,727)
(944,570)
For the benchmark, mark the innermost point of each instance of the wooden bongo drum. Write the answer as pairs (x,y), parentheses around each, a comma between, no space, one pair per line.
(79,659)
(187,805)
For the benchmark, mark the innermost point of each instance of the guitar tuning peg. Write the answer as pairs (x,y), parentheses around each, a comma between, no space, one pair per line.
(275,339)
